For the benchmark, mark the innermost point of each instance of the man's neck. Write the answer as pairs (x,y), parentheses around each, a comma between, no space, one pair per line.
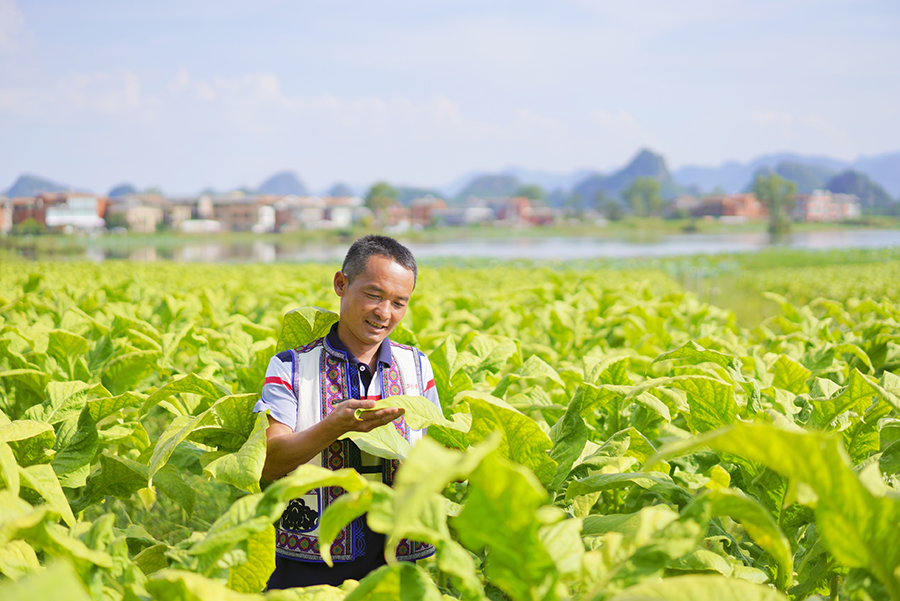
(364,353)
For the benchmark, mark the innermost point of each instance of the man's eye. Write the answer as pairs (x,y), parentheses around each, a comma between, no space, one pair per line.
(372,296)
(399,305)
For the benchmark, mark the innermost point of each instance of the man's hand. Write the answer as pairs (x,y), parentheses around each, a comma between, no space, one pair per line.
(286,449)
(344,419)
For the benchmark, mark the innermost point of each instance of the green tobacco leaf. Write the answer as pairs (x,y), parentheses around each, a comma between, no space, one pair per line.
(856,395)
(171,343)
(118,477)
(66,348)
(711,400)
(302,326)
(190,383)
(30,441)
(401,581)
(697,588)
(126,371)
(170,481)
(569,436)
(104,407)
(42,480)
(758,523)
(9,469)
(500,514)
(76,446)
(66,399)
(233,421)
(694,354)
(344,510)
(790,375)
(179,585)
(857,526)
(523,440)
(152,559)
(320,592)
(58,582)
(564,544)
(420,413)
(383,441)
(252,576)
(655,482)
(229,533)
(534,368)
(302,480)
(242,469)
(449,377)
(33,379)
(18,559)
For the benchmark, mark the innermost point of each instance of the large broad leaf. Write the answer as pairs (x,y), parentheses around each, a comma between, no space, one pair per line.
(229,421)
(42,480)
(534,368)
(421,413)
(127,371)
(522,441)
(77,444)
(302,326)
(856,395)
(696,588)
(66,348)
(118,477)
(384,441)
(180,585)
(253,575)
(401,581)
(302,480)
(9,469)
(66,399)
(18,559)
(31,441)
(655,482)
(693,353)
(790,375)
(58,582)
(449,377)
(190,383)
(500,515)
(858,527)
(758,523)
(242,469)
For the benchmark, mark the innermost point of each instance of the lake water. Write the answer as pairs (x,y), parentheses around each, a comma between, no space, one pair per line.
(545,248)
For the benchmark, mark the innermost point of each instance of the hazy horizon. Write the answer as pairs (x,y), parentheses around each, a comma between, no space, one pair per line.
(224,94)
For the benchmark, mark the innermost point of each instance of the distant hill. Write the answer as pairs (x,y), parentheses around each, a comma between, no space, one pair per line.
(884,169)
(645,164)
(734,176)
(872,197)
(31,185)
(487,186)
(122,190)
(340,189)
(549,180)
(408,194)
(806,177)
(283,183)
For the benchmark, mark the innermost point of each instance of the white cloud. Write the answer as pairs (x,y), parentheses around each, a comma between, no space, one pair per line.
(11,24)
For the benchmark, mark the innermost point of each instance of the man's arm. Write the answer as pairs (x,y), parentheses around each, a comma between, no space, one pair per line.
(286,449)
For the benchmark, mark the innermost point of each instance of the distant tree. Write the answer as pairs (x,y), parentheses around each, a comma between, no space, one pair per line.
(28,227)
(609,207)
(777,194)
(154,190)
(533,192)
(643,196)
(340,189)
(114,220)
(381,196)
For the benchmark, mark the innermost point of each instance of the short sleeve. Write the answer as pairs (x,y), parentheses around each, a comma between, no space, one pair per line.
(277,393)
(428,379)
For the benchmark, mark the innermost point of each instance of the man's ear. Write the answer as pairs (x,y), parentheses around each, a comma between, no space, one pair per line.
(340,283)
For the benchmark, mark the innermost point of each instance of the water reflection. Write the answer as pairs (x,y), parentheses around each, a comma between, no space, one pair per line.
(557,248)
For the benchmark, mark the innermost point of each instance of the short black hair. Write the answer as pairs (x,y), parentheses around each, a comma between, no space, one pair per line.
(373,244)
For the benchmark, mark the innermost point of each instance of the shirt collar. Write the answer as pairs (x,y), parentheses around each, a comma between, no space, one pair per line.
(383,355)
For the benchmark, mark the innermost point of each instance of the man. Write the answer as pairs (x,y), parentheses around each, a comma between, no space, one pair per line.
(312,394)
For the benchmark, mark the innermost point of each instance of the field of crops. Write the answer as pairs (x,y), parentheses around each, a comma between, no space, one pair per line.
(606,435)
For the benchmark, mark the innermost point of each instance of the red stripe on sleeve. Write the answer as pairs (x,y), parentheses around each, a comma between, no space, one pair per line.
(277,380)
(430,385)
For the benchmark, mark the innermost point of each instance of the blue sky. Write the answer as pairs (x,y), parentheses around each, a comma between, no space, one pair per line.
(223,93)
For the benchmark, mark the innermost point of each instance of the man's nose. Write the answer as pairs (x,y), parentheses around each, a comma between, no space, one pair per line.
(382,309)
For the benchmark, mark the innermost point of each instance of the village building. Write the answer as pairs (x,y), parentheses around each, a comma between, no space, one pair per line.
(731,207)
(823,205)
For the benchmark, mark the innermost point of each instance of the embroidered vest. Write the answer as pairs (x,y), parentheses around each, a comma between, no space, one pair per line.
(322,380)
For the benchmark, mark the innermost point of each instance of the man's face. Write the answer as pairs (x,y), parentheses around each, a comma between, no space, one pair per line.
(373,303)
